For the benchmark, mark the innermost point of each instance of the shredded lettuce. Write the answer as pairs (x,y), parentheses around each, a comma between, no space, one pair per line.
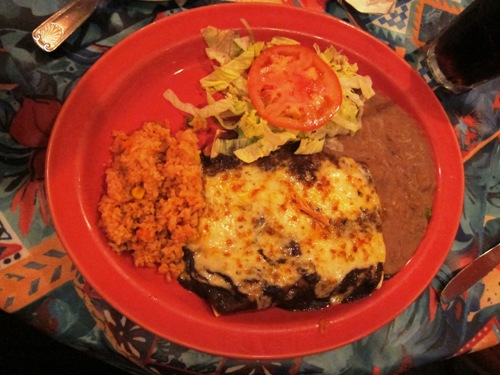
(232,71)
(269,142)
(229,104)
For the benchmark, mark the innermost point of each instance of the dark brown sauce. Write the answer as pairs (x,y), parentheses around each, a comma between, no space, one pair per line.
(398,155)
(303,167)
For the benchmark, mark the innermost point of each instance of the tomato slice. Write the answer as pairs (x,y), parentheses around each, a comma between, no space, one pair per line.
(291,87)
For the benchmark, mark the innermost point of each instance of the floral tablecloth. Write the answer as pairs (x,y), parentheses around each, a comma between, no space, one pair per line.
(39,284)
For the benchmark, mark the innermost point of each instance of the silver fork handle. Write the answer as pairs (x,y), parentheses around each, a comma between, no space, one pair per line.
(58,27)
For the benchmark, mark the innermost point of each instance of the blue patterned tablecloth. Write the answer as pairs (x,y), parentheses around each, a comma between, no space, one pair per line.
(39,284)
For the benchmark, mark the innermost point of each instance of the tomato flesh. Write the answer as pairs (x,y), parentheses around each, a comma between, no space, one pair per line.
(291,87)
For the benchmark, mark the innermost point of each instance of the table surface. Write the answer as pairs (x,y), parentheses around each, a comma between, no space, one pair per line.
(39,284)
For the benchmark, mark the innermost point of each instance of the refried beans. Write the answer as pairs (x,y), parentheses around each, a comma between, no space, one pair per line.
(398,155)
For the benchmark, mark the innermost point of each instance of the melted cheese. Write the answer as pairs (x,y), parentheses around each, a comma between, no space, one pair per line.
(270,228)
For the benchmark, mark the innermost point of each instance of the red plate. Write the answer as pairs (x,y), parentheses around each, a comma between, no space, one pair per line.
(124,89)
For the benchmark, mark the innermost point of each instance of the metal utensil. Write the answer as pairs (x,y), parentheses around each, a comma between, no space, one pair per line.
(58,27)
(471,274)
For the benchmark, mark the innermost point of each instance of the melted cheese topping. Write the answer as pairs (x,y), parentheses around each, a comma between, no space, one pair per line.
(270,228)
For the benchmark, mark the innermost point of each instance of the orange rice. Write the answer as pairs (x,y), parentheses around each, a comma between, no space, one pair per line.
(154,196)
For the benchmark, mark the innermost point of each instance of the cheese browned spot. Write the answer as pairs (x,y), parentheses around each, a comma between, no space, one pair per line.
(295,231)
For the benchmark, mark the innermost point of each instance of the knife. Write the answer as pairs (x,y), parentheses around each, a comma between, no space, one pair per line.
(471,274)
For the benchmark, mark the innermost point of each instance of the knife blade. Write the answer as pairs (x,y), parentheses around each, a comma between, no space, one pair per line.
(471,274)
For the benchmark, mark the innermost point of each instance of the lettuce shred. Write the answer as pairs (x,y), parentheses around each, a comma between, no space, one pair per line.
(228,101)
